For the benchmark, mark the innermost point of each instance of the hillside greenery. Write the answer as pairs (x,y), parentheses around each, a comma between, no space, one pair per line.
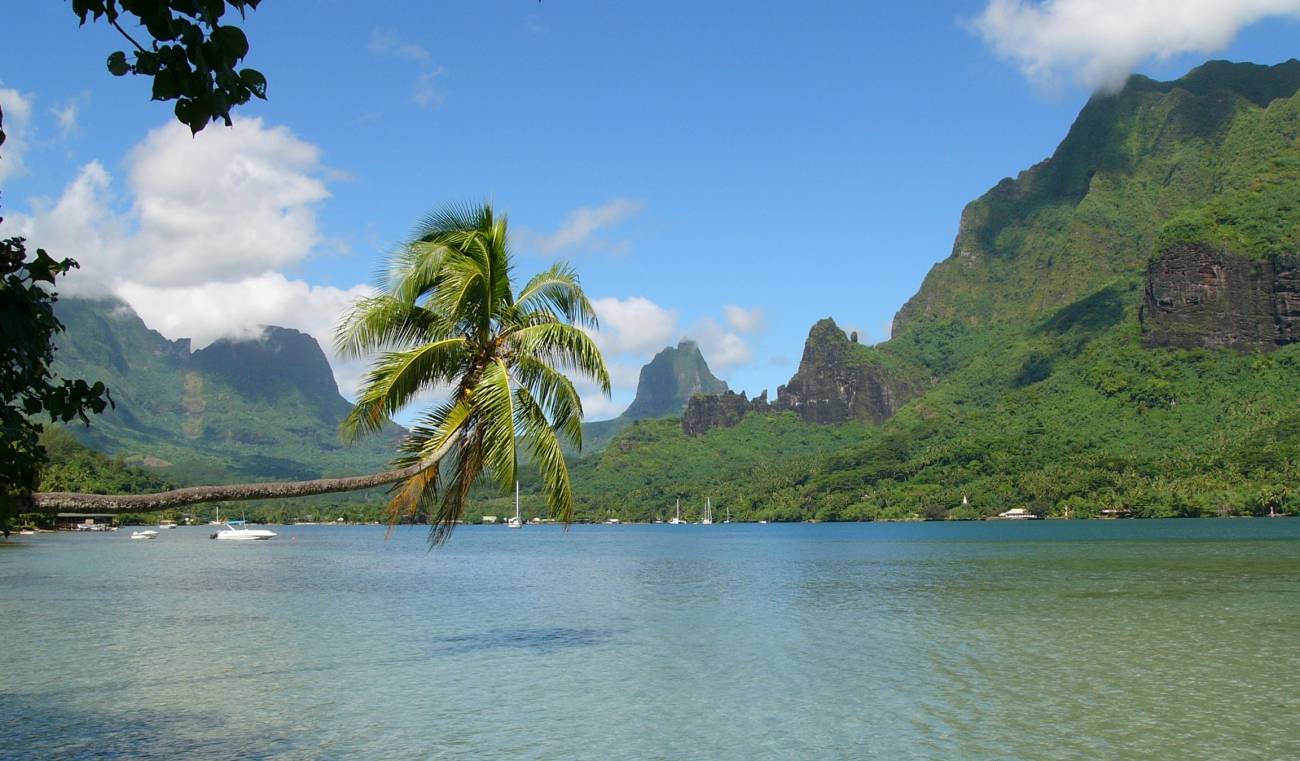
(1042,396)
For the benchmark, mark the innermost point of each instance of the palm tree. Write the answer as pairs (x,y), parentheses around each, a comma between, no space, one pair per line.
(447,319)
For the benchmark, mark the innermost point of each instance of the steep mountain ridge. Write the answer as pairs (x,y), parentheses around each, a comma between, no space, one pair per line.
(260,408)
(1153,154)
(1093,345)
(664,387)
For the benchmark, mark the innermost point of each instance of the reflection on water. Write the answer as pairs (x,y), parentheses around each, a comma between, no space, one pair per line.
(1153,639)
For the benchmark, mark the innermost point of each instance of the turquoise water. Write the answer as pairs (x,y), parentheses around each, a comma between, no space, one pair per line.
(1122,639)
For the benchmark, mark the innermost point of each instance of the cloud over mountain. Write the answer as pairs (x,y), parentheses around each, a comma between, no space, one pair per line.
(1098,43)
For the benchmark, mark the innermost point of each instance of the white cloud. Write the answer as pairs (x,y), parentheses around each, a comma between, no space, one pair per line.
(723,349)
(66,115)
(1099,42)
(384,42)
(632,325)
(237,202)
(240,309)
(582,224)
(197,252)
(17,109)
(744,320)
(80,224)
(428,94)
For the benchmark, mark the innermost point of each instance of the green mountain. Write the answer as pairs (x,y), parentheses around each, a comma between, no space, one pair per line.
(266,408)
(665,386)
(1114,331)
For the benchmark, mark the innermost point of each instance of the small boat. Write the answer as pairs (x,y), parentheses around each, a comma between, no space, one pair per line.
(166,524)
(238,531)
(678,520)
(708,512)
(1018,514)
(517,521)
(146,534)
(612,521)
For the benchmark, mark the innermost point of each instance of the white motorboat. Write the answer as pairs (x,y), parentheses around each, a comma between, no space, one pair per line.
(166,524)
(517,521)
(146,534)
(238,531)
(678,520)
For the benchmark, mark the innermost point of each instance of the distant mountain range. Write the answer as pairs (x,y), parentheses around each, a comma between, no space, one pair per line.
(252,409)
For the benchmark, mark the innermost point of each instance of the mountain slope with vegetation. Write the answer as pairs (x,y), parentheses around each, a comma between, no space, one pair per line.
(266,408)
(663,389)
(1041,392)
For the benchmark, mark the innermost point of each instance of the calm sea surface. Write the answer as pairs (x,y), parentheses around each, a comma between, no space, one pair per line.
(1123,639)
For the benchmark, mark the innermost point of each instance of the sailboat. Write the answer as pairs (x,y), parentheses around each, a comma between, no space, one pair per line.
(678,520)
(517,521)
(728,520)
(708,512)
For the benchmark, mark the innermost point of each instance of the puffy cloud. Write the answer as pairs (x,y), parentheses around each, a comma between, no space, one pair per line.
(1099,42)
(237,202)
(723,349)
(632,325)
(582,224)
(744,320)
(17,109)
(210,223)
(240,309)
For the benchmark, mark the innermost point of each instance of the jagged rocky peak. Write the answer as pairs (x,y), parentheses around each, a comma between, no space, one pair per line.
(838,380)
(669,381)
(1201,295)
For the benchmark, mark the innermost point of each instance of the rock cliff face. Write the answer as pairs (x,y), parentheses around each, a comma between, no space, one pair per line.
(1198,295)
(706,411)
(838,380)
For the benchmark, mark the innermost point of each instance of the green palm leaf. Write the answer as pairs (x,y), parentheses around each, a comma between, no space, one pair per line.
(448,318)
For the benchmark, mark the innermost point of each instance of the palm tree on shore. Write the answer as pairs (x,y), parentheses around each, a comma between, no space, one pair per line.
(447,319)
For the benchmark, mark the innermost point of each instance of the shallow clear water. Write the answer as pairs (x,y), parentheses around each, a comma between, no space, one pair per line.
(1123,639)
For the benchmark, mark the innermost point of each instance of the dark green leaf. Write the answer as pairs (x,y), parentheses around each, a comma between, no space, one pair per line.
(253,80)
(117,65)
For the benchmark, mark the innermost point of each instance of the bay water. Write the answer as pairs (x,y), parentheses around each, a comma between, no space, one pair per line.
(1173,639)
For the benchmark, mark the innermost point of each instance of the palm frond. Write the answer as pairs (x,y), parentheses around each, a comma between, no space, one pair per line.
(495,418)
(381,322)
(546,455)
(558,292)
(555,394)
(565,346)
(397,377)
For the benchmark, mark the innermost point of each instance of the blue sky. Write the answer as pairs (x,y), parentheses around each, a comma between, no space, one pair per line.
(730,172)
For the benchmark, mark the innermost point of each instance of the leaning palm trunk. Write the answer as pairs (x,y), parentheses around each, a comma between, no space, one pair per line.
(49,502)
